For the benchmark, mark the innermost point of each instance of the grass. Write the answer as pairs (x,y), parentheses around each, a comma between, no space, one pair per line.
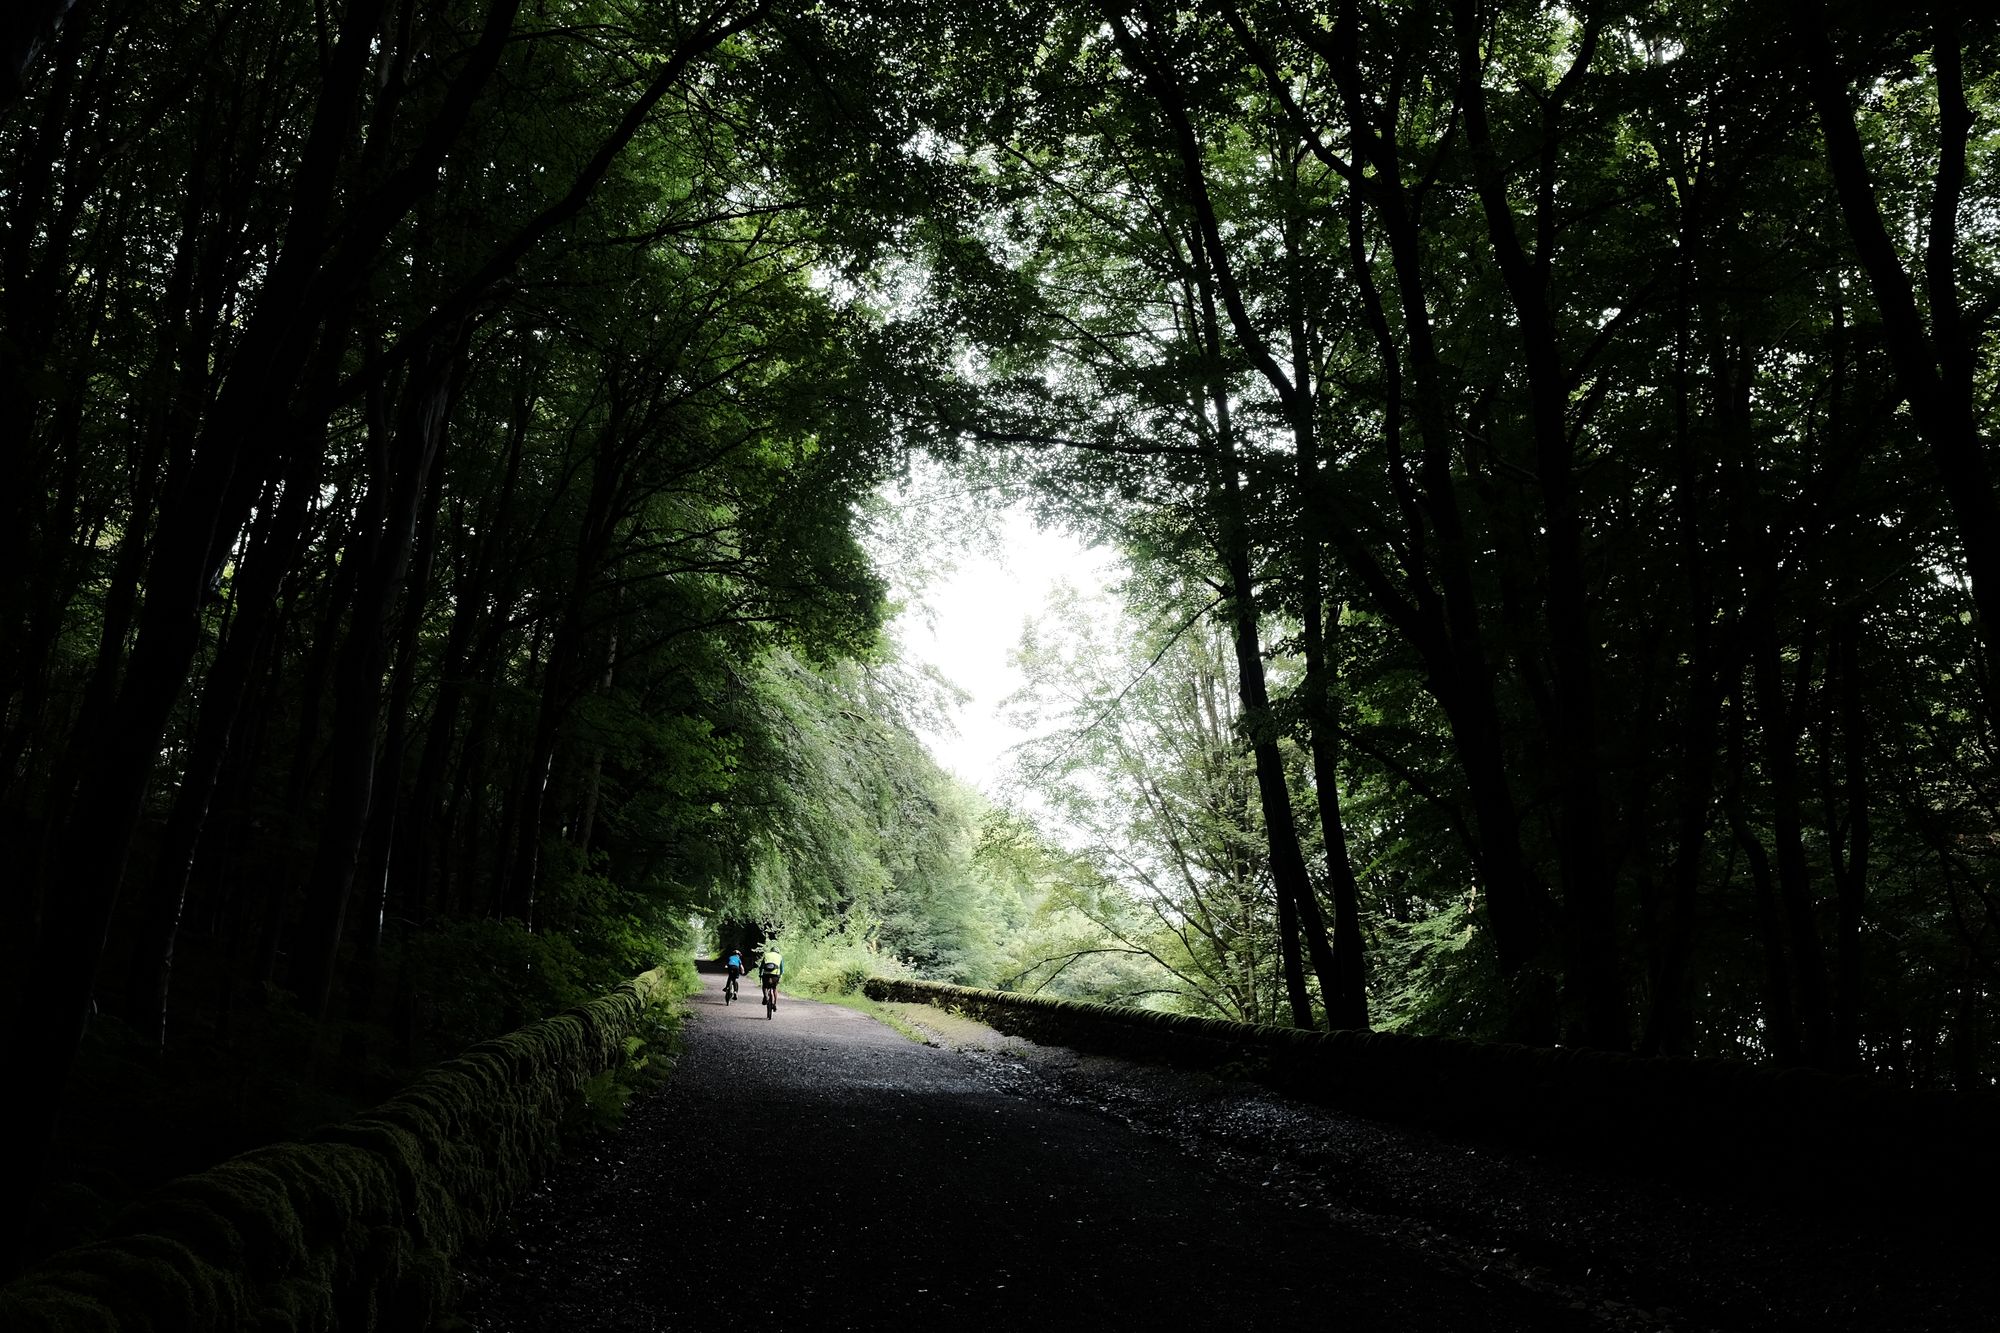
(881,1013)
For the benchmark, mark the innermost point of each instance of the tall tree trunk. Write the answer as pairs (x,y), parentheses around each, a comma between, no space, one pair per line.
(459,835)
(1349,1003)
(1343,973)
(1442,623)
(382,878)
(378,850)
(609,482)
(199,521)
(425,837)
(587,821)
(224,689)
(1593,991)
(1288,863)
(1449,635)
(1290,961)
(1781,1025)
(1459,670)
(1849,718)
(1298,905)
(383,545)
(1777,725)
(1669,1024)
(506,838)
(1850,864)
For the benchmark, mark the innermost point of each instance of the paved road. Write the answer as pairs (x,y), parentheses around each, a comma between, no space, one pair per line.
(824,1171)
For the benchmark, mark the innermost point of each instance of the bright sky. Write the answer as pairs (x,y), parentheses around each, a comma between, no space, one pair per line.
(967,621)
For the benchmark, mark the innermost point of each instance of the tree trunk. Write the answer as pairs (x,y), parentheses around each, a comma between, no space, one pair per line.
(1344,970)
(1850,864)
(430,826)
(609,480)
(1593,991)
(1298,907)
(1288,864)
(223,693)
(384,817)
(587,821)
(1458,670)
(381,555)
(1443,624)
(1349,1003)
(1670,1019)
(1781,1022)
(1795,892)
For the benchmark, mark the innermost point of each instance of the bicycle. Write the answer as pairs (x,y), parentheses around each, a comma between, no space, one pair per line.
(770,998)
(729,989)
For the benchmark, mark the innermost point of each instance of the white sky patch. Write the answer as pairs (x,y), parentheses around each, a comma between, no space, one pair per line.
(964,611)
(977,616)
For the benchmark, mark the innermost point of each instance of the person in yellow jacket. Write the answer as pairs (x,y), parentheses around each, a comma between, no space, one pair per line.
(770,969)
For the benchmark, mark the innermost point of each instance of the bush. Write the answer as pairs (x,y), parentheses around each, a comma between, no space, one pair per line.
(835,958)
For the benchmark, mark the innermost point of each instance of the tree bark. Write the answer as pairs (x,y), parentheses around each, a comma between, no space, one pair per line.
(383,874)
(429,828)
(1344,974)
(224,690)
(199,520)
(1349,1008)
(1778,729)
(1594,995)
(1298,906)
(1781,1024)
(1934,366)
(1850,864)
(381,555)
(1458,667)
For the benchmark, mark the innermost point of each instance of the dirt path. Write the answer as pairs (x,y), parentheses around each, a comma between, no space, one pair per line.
(825,1171)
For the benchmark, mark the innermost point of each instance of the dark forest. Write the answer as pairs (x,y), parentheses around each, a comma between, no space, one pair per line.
(446,452)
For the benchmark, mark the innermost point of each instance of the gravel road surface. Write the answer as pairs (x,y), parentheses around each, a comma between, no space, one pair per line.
(825,1170)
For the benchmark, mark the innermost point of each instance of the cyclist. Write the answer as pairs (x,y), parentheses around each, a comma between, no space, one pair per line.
(732,968)
(770,969)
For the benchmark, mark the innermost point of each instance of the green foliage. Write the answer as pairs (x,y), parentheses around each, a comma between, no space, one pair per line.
(481,976)
(833,958)
(1539,371)
(1541,386)
(650,1052)
(1141,756)
(1437,976)
(856,845)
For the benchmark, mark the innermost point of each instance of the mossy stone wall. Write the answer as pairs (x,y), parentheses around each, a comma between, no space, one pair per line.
(1798,1129)
(354,1228)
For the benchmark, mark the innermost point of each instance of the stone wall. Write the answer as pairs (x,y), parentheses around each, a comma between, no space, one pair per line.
(1796,1129)
(355,1227)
